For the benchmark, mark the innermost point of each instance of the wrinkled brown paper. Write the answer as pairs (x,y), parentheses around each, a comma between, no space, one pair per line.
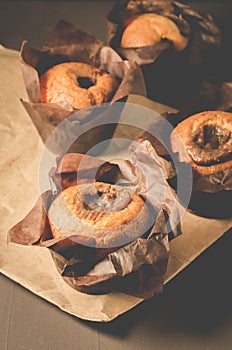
(137,268)
(68,43)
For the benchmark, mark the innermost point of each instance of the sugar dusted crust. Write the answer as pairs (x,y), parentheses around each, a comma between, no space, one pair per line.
(149,29)
(70,214)
(60,84)
(186,130)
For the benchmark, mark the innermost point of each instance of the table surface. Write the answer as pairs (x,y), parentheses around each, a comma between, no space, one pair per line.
(194,310)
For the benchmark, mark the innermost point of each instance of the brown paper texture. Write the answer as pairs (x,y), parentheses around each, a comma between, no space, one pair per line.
(21,149)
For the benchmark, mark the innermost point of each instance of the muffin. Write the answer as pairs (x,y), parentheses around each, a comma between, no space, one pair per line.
(176,46)
(112,215)
(150,29)
(79,84)
(204,141)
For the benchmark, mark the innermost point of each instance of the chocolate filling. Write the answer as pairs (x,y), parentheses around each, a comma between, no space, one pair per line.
(85,82)
(112,200)
(211,145)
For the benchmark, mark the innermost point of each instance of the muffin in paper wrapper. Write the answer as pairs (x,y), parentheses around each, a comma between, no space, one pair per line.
(170,77)
(211,194)
(214,95)
(67,43)
(136,268)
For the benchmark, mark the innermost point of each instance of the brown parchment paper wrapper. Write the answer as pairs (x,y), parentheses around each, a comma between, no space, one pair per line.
(68,43)
(211,194)
(161,145)
(19,173)
(214,94)
(174,76)
(137,268)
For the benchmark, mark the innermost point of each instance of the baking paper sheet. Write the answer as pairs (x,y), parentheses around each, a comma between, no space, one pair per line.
(21,149)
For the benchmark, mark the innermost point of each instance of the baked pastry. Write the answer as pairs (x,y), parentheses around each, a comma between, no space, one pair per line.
(113,215)
(204,140)
(149,29)
(80,84)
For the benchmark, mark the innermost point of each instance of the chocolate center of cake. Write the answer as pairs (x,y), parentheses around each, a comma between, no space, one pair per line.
(85,82)
(110,200)
(211,145)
